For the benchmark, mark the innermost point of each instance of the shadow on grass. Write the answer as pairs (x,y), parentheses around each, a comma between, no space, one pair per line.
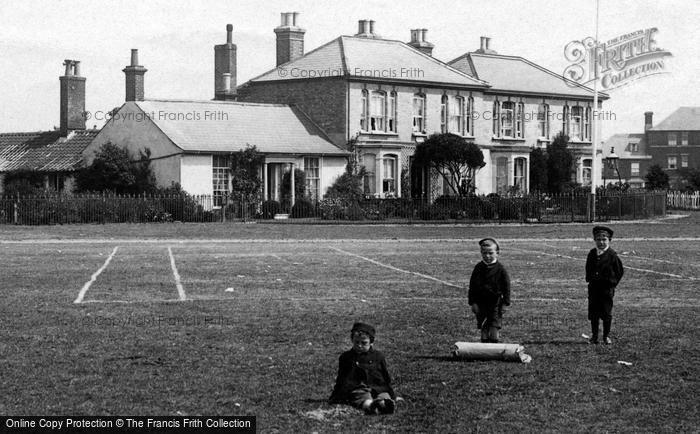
(556,342)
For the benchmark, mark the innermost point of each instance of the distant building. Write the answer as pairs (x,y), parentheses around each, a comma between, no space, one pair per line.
(674,143)
(51,156)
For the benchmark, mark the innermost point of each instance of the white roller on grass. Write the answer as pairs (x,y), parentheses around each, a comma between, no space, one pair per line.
(489,351)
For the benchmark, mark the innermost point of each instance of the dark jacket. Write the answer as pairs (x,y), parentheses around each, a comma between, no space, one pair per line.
(357,370)
(489,285)
(603,271)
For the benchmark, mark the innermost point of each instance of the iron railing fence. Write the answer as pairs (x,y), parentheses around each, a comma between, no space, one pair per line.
(532,208)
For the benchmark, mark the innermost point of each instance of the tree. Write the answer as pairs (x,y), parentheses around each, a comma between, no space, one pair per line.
(538,170)
(560,163)
(691,178)
(115,170)
(456,159)
(348,187)
(245,179)
(656,178)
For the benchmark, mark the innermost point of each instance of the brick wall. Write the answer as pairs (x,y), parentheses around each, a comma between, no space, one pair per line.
(324,101)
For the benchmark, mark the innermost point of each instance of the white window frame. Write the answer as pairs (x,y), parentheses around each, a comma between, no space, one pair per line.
(519,120)
(507,119)
(543,120)
(684,161)
(586,171)
(389,181)
(520,173)
(684,138)
(587,124)
(377,111)
(634,147)
(219,178)
(634,169)
(364,116)
(419,113)
(455,109)
(444,105)
(469,117)
(672,139)
(576,125)
(312,170)
(391,113)
(672,162)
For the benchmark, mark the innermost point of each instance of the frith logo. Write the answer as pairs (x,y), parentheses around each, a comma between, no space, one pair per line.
(616,62)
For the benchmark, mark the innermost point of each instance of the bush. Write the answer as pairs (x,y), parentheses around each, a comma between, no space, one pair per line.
(270,208)
(303,208)
(331,209)
(354,212)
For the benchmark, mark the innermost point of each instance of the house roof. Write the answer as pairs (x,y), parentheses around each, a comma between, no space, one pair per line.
(44,151)
(516,74)
(370,59)
(222,126)
(620,143)
(683,119)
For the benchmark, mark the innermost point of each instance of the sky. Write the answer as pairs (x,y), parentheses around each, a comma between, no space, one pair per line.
(175,39)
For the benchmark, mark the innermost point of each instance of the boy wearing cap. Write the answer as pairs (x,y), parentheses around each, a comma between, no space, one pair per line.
(489,291)
(603,272)
(363,380)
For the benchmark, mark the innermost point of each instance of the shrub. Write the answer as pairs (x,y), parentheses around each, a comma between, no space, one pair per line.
(303,208)
(331,209)
(270,208)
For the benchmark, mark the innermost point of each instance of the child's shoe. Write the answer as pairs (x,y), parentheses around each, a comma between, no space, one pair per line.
(607,341)
(388,406)
(593,340)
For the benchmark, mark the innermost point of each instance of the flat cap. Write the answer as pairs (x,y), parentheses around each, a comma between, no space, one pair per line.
(607,230)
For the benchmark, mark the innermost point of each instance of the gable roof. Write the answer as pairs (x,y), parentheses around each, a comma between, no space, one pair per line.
(683,119)
(44,151)
(370,59)
(621,144)
(223,126)
(516,74)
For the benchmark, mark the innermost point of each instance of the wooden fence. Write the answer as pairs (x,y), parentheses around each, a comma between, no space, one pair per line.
(684,201)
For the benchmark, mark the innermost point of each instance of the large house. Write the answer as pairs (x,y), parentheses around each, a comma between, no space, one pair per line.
(191,141)
(388,96)
(49,159)
(674,143)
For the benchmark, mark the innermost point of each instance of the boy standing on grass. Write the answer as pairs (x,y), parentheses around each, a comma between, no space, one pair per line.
(603,272)
(489,291)
(363,380)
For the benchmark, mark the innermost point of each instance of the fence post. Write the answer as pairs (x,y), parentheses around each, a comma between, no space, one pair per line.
(16,206)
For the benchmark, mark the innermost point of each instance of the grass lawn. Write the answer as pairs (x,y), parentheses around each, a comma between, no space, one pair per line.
(266,315)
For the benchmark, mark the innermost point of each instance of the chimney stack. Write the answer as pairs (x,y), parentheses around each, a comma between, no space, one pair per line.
(134,78)
(290,38)
(485,46)
(648,117)
(72,98)
(225,68)
(365,29)
(419,43)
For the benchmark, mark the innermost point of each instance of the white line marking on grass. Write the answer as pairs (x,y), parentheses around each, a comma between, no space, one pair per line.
(178,283)
(391,267)
(557,255)
(87,285)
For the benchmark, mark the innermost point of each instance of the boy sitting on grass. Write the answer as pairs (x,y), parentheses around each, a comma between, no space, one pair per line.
(363,380)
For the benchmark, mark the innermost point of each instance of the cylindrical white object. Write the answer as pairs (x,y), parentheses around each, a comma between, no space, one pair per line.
(486,351)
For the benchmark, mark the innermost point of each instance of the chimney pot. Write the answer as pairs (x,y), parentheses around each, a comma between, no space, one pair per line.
(294,18)
(483,43)
(360,27)
(227,82)
(422,34)
(371,26)
(134,57)
(76,70)
(69,68)
(229,34)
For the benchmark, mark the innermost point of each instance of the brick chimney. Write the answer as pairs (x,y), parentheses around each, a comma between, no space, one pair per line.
(134,78)
(225,68)
(72,98)
(365,29)
(290,38)
(648,116)
(419,43)
(485,47)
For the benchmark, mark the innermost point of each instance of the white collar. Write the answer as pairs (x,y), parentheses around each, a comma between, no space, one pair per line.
(600,252)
